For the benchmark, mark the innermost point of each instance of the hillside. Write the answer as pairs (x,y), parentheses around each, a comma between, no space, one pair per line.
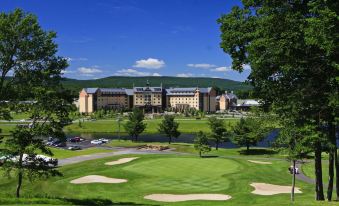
(127,82)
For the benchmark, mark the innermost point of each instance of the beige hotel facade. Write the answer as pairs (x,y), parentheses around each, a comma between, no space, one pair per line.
(149,99)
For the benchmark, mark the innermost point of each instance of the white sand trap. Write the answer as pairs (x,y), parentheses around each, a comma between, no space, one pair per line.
(121,161)
(260,162)
(97,179)
(187,197)
(268,189)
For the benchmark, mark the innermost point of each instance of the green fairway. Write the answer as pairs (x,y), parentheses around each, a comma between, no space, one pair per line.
(161,174)
(186,126)
(63,153)
(111,126)
(189,148)
(308,170)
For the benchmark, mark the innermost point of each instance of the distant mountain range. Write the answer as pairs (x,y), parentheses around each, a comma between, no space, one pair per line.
(128,82)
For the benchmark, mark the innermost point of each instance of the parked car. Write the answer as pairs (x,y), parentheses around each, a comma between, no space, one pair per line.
(74,148)
(75,139)
(96,142)
(59,144)
(103,140)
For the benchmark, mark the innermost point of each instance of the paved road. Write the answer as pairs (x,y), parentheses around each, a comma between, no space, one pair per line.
(121,151)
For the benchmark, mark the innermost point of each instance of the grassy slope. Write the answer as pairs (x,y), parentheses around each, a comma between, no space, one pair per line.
(111,126)
(62,153)
(164,174)
(127,82)
(308,170)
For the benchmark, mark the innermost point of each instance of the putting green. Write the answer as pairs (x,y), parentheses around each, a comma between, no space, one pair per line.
(184,174)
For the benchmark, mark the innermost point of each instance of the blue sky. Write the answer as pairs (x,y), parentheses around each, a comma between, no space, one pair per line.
(136,37)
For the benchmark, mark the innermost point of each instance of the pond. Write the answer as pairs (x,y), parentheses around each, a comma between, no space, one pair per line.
(183,138)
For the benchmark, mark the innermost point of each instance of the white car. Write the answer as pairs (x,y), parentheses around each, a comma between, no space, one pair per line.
(96,142)
(103,140)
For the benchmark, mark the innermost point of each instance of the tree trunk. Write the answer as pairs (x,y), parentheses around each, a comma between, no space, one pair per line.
(332,139)
(169,140)
(217,145)
(336,161)
(136,138)
(330,175)
(248,148)
(318,172)
(293,182)
(19,177)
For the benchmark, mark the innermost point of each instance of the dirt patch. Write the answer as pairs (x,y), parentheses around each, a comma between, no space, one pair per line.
(97,179)
(121,161)
(260,162)
(187,197)
(153,147)
(269,189)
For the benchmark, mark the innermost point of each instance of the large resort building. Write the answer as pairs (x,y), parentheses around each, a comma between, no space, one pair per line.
(198,98)
(149,99)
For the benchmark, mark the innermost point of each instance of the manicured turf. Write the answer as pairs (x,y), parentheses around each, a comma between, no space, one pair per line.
(111,126)
(188,148)
(63,153)
(163,174)
(308,170)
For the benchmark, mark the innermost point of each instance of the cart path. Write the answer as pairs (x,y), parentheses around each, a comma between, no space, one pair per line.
(124,151)
(121,151)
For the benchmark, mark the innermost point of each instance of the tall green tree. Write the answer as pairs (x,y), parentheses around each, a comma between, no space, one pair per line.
(248,132)
(201,143)
(169,127)
(295,141)
(218,129)
(135,125)
(322,33)
(294,67)
(30,82)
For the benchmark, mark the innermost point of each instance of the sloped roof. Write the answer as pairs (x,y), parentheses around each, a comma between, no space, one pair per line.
(129,92)
(143,89)
(248,102)
(112,90)
(187,90)
(90,90)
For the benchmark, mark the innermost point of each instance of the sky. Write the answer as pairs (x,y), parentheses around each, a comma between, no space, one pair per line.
(103,38)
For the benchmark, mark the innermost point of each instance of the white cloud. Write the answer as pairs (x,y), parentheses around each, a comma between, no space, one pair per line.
(131,72)
(221,69)
(156,74)
(185,75)
(67,72)
(76,59)
(202,66)
(149,63)
(246,67)
(87,71)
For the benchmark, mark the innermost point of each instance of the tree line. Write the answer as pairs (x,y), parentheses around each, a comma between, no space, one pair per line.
(292,48)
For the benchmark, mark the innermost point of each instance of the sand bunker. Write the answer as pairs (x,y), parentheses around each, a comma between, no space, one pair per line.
(260,162)
(187,197)
(268,189)
(97,179)
(121,161)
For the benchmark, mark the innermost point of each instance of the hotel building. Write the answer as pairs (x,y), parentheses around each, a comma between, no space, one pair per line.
(149,99)
(199,98)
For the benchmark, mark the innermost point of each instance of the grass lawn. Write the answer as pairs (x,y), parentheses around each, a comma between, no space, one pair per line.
(111,126)
(188,148)
(161,174)
(63,153)
(308,170)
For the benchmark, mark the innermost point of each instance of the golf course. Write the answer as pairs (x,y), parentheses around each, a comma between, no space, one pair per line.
(145,176)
